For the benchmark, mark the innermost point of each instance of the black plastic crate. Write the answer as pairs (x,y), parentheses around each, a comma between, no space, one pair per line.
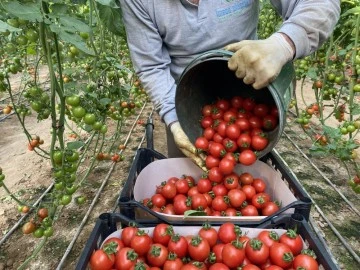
(108,223)
(135,210)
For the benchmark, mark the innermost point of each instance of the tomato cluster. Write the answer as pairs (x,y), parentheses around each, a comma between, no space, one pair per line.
(207,248)
(41,227)
(35,142)
(233,130)
(232,195)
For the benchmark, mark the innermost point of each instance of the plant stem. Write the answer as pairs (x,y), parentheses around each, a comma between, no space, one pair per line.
(34,254)
(13,196)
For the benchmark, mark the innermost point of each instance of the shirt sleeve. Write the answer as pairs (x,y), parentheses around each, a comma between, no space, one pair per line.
(150,58)
(308,23)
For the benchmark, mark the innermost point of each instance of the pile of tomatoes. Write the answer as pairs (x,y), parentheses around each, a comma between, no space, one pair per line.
(235,130)
(232,195)
(207,248)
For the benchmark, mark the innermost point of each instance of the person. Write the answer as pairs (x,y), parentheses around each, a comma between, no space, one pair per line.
(165,35)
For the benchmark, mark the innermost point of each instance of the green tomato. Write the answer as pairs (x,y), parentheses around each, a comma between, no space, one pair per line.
(48,232)
(36,106)
(47,222)
(70,190)
(58,173)
(70,177)
(344,130)
(21,40)
(103,129)
(45,98)
(2,177)
(78,112)
(84,35)
(80,200)
(32,35)
(34,91)
(73,100)
(97,125)
(74,156)
(13,22)
(14,68)
(65,199)
(351,128)
(70,167)
(57,156)
(59,186)
(38,233)
(356,88)
(89,118)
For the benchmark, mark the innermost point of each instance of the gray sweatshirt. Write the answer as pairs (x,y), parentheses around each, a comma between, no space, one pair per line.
(165,35)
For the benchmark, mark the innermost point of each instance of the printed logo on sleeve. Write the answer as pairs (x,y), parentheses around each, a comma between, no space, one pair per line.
(230,8)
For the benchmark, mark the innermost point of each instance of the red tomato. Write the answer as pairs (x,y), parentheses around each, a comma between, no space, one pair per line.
(218,266)
(231,212)
(249,191)
(215,175)
(217,250)
(255,122)
(304,261)
(256,131)
(259,143)
(208,133)
(158,200)
(259,185)
(231,181)
(230,145)
(230,116)
(233,254)
(228,232)
(250,267)
(198,202)
(244,141)
(248,104)
(226,166)
(125,258)
(259,200)
(181,204)
(194,265)
(208,198)
(204,185)
(173,180)
(217,150)
(190,179)
(236,102)
(236,197)
(218,138)
(256,251)
(206,122)
(274,111)
(119,243)
(261,110)
(206,110)
(246,178)
(192,191)
(182,186)
(168,191)
(127,234)
(293,241)
(162,233)
(199,249)
(219,190)
(281,255)
(211,162)
(157,255)
(243,124)
(233,157)
(220,203)
(178,245)
(141,242)
(269,122)
(269,208)
(247,157)
(217,113)
(209,234)
(168,209)
(102,260)
(223,104)
(233,131)
(268,237)
(173,264)
(249,210)
(273,267)
(202,143)
(140,264)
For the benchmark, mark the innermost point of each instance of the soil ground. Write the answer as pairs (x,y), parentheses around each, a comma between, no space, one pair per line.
(28,175)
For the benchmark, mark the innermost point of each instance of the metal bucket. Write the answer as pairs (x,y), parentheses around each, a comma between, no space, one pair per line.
(208,78)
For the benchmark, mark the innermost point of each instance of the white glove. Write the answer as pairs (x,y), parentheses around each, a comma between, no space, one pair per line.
(259,62)
(183,143)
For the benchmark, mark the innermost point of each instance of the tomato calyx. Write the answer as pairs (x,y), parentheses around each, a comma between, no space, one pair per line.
(131,255)
(256,244)
(291,233)
(172,256)
(237,230)
(274,236)
(211,258)
(155,251)
(288,257)
(206,226)
(110,248)
(309,252)
(196,241)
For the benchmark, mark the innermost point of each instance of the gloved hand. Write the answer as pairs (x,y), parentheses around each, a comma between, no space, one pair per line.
(183,143)
(259,62)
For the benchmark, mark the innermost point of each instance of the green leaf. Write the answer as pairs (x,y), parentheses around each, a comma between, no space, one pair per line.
(94,95)
(59,9)
(109,3)
(76,41)
(332,132)
(355,110)
(190,213)
(29,11)
(112,19)
(75,145)
(355,10)
(317,150)
(77,25)
(4,27)
(105,101)
(312,73)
